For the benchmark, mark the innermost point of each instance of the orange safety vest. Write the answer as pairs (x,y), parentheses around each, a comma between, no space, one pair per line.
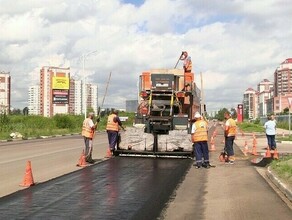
(87,131)
(231,131)
(201,133)
(111,125)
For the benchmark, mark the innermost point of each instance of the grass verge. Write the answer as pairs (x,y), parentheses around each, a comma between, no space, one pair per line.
(283,168)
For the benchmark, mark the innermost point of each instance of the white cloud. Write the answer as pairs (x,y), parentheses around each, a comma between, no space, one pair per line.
(235,44)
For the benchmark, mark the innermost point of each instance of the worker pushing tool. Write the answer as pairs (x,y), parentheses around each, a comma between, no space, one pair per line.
(88,131)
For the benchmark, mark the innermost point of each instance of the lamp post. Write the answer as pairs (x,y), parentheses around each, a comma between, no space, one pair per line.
(84,94)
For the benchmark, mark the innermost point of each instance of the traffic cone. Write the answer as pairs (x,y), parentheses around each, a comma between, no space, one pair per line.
(276,154)
(213,148)
(254,150)
(283,134)
(242,134)
(245,151)
(82,160)
(268,153)
(254,141)
(108,153)
(28,178)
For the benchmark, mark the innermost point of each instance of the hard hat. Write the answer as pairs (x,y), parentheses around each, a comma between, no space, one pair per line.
(197,115)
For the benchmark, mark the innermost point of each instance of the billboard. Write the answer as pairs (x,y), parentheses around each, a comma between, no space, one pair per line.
(60,96)
(60,82)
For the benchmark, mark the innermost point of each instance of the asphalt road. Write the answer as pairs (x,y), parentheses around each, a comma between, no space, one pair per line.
(224,192)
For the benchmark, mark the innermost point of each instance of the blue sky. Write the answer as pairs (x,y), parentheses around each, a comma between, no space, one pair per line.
(235,44)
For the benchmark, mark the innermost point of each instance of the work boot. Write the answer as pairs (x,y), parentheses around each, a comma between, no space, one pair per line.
(206,165)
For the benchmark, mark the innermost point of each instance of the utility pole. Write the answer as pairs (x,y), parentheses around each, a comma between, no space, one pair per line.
(202,95)
(84,93)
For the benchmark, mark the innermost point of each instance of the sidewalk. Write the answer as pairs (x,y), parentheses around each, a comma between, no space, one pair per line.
(284,148)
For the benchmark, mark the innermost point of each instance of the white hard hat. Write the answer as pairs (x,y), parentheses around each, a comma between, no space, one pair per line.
(197,115)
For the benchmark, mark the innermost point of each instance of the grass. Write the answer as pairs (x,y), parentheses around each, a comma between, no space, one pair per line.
(36,126)
(250,127)
(283,168)
(287,138)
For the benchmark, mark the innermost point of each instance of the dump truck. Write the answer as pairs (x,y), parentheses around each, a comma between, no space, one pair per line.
(168,100)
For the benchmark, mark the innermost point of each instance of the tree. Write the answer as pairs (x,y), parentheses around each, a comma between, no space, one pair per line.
(25,111)
(233,113)
(286,111)
(220,114)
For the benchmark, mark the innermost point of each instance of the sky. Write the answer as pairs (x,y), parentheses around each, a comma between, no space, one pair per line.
(235,44)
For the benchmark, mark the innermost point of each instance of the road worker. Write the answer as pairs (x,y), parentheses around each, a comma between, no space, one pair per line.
(187,61)
(88,131)
(200,142)
(112,129)
(229,133)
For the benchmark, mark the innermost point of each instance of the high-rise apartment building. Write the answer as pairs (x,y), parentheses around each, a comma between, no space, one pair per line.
(79,96)
(5,92)
(250,103)
(34,100)
(283,85)
(54,90)
(92,97)
(265,92)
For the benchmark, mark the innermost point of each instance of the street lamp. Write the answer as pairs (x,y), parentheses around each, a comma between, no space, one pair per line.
(84,89)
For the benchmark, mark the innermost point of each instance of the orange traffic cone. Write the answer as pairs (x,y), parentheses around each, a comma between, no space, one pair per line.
(28,178)
(213,148)
(254,150)
(276,155)
(108,153)
(245,151)
(268,153)
(254,141)
(82,161)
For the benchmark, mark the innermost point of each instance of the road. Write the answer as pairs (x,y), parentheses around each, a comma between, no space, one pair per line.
(49,158)
(224,192)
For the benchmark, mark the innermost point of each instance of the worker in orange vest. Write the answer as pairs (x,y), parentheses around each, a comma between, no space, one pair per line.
(229,133)
(200,142)
(88,131)
(187,61)
(112,129)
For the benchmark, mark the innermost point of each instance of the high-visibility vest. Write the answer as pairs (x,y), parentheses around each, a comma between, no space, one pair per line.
(87,131)
(231,131)
(111,125)
(201,133)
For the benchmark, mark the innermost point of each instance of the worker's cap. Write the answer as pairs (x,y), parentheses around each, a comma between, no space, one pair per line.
(197,115)
(90,114)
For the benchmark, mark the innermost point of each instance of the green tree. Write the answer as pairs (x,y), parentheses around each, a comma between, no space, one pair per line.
(233,113)
(220,114)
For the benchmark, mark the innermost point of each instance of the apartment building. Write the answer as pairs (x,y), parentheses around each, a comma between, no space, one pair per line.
(250,103)
(34,100)
(54,90)
(80,97)
(265,92)
(5,92)
(283,85)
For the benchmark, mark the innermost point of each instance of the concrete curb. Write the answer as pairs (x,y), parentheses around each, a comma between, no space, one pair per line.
(276,181)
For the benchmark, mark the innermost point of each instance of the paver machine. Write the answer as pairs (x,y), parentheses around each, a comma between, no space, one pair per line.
(168,100)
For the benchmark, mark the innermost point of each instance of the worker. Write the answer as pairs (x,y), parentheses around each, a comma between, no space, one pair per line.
(88,130)
(200,142)
(187,62)
(270,127)
(229,133)
(112,129)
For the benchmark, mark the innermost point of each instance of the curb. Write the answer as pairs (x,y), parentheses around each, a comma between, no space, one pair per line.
(283,188)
